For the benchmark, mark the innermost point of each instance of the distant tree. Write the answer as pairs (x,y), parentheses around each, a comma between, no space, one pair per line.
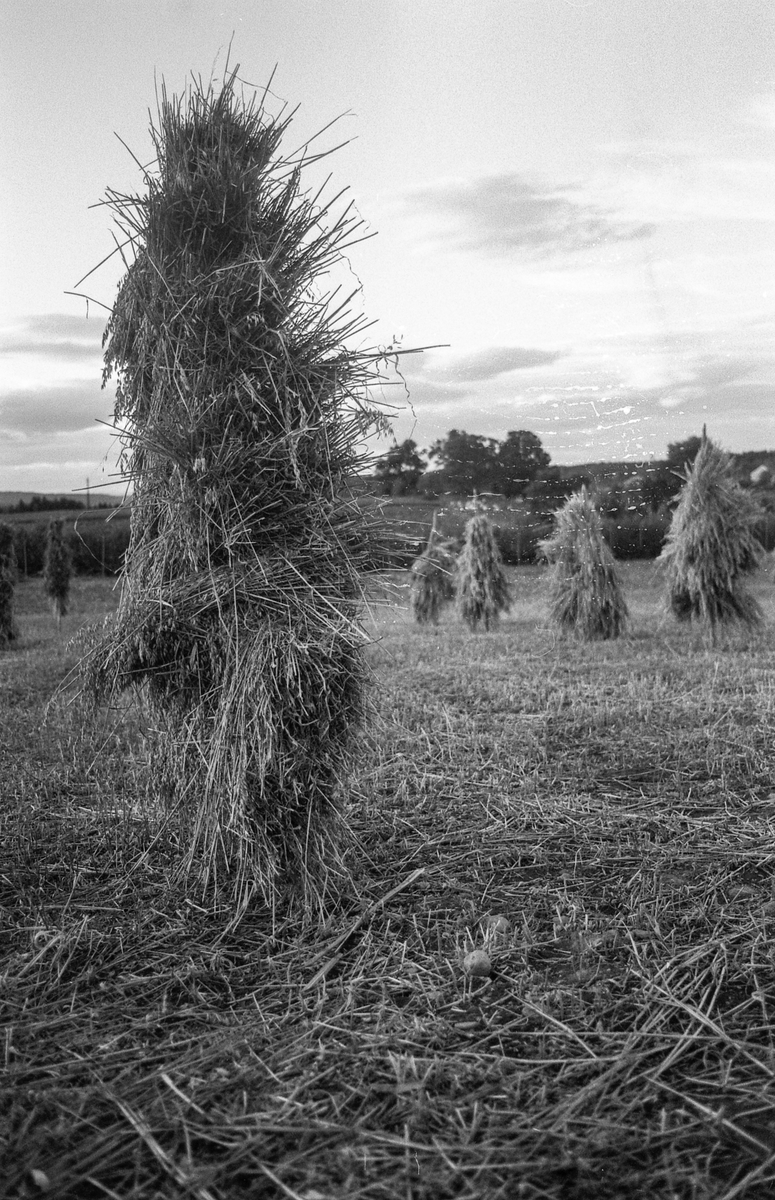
(681,455)
(586,595)
(520,458)
(611,500)
(57,569)
(432,484)
(469,462)
(481,585)
(400,468)
(712,544)
(659,485)
(9,630)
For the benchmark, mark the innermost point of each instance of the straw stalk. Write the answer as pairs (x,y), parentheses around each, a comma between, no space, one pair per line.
(9,630)
(712,545)
(432,583)
(481,585)
(585,593)
(242,409)
(57,569)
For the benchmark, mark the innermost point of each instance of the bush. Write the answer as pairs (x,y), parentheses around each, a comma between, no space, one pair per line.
(636,536)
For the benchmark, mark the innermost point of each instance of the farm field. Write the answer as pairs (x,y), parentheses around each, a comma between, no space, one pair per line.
(614,801)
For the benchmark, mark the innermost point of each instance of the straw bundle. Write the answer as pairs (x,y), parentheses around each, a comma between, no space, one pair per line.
(243,413)
(712,544)
(57,569)
(586,595)
(9,630)
(432,584)
(481,584)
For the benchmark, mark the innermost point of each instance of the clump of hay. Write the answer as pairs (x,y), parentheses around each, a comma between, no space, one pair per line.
(481,585)
(8,550)
(57,569)
(243,412)
(711,545)
(432,584)
(9,629)
(584,587)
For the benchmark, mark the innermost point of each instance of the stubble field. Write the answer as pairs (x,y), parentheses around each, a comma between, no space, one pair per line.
(614,801)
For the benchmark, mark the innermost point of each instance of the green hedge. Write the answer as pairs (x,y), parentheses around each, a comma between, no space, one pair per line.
(97,547)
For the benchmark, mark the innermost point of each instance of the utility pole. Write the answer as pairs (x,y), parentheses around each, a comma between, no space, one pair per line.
(88,505)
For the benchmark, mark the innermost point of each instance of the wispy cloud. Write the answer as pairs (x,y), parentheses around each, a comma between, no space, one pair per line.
(63,409)
(509,214)
(618,397)
(496,360)
(56,335)
(760,111)
(657,181)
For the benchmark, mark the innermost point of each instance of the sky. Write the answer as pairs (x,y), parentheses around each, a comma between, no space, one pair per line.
(574,200)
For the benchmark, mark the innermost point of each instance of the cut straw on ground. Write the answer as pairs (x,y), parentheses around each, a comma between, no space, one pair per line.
(612,799)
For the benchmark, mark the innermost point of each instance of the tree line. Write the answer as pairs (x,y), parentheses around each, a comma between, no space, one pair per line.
(44,504)
(519,466)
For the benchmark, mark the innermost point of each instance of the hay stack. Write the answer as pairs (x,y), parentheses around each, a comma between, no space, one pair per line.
(9,630)
(244,412)
(432,583)
(57,569)
(584,588)
(481,585)
(711,545)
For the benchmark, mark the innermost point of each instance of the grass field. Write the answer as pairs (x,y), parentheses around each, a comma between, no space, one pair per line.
(614,801)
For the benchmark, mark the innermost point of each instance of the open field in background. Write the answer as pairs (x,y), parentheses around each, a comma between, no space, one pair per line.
(615,801)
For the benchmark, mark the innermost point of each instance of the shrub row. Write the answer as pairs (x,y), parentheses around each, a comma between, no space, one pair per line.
(97,547)
(518,534)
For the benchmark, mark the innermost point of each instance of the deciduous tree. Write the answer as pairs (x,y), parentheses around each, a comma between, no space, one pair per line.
(520,458)
(469,461)
(400,468)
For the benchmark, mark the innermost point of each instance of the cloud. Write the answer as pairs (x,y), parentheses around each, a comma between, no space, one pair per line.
(58,335)
(497,360)
(760,111)
(665,181)
(427,392)
(618,397)
(508,214)
(62,409)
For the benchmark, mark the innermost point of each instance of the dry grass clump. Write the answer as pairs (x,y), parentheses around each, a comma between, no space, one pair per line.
(9,629)
(432,584)
(57,569)
(481,584)
(586,595)
(243,411)
(712,544)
